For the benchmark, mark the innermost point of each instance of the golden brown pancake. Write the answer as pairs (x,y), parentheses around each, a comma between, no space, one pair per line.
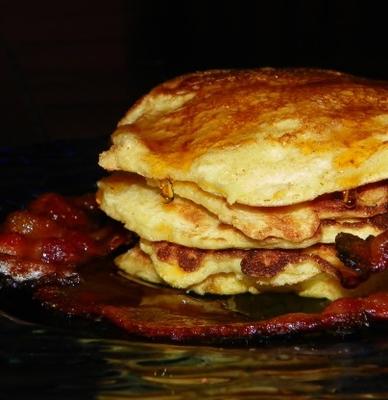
(127,198)
(264,137)
(309,272)
(293,223)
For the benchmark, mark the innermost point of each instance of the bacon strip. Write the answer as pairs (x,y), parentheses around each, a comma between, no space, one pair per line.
(166,314)
(53,236)
(364,257)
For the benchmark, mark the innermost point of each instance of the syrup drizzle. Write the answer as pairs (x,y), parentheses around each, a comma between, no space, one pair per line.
(349,198)
(166,190)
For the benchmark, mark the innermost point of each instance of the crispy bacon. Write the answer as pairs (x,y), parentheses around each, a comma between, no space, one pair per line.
(363,256)
(54,235)
(162,313)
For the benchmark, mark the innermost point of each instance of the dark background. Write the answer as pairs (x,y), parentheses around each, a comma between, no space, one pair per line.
(70,69)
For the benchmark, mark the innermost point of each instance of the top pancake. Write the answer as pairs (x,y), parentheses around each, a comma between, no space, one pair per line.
(264,137)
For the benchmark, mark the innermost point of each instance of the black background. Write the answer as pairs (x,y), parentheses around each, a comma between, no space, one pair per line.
(71,69)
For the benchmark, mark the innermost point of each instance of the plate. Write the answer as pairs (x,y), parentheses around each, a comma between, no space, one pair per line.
(62,358)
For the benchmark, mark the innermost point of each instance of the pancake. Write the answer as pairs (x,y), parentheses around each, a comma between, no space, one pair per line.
(293,223)
(141,208)
(138,265)
(128,198)
(264,137)
(309,273)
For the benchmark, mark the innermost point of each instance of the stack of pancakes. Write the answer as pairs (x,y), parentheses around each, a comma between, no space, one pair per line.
(239,181)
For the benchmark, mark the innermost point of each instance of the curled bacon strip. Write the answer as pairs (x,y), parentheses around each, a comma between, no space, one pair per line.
(54,235)
(165,314)
(364,257)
